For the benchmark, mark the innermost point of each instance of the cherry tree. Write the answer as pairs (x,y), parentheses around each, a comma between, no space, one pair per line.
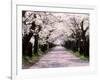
(41,29)
(36,26)
(32,23)
(80,32)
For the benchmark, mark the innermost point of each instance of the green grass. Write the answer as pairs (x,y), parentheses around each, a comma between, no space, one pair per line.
(81,56)
(29,61)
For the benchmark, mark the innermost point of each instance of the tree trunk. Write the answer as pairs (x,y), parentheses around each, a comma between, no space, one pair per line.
(26,45)
(36,44)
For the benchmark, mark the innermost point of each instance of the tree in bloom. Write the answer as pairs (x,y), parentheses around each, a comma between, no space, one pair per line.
(80,32)
(42,29)
(32,23)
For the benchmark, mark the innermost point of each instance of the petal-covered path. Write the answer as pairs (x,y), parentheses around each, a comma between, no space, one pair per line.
(59,57)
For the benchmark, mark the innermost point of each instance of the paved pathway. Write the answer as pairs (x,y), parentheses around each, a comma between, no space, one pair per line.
(59,57)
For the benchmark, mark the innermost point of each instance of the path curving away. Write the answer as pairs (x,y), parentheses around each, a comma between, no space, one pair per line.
(59,57)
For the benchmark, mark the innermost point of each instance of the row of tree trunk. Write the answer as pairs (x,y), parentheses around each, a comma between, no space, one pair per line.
(81,46)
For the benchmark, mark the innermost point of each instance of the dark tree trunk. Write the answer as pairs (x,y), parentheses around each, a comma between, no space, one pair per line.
(28,50)
(84,45)
(36,44)
(26,45)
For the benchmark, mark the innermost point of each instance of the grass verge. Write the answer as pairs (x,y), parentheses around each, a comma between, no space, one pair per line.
(81,56)
(29,61)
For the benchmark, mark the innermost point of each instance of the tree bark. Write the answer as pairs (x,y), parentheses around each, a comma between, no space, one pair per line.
(26,45)
(36,44)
